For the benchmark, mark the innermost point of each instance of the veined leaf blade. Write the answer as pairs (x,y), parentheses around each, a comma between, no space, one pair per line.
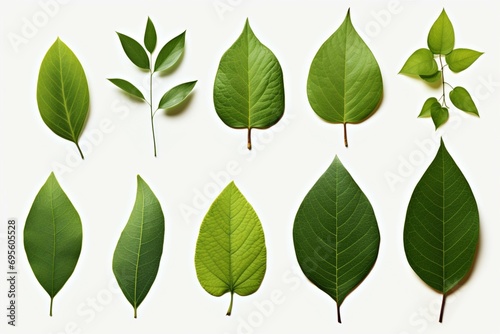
(170,53)
(150,36)
(127,87)
(134,51)
(176,95)
(461,99)
(460,59)
(441,38)
(421,62)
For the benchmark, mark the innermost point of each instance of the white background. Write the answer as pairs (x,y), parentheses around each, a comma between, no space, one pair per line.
(195,148)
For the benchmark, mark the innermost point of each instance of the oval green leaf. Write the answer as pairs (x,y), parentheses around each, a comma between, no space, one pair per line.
(127,87)
(344,83)
(170,53)
(150,36)
(137,255)
(441,230)
(249,91)
(426,109)
(421,62)
(231,250)
(439,114)
(441,38)
(176,95)
(432,78)
(63,93)
(461,99)
(52,237)
(335,234)
(460,59)
(134,51)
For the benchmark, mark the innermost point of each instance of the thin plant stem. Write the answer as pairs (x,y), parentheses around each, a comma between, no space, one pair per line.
(338,314)
(230,306)
(443,81)
(151,105)
(442,308)
(345,135)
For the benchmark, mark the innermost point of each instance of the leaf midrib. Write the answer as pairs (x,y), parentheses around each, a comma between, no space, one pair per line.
(139,249)
(68,120)
(54,242)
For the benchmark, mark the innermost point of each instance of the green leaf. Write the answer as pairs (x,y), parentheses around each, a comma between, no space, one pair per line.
(249,91)
(421,62)
(52,237)
(442,225)
(432,78)
(344,83)
(63,93)
(335,234)
(137,255)
(170,53)
(460,59)
(150,36)
(439,114)
(127,87)
(134,51)
(426,109)
(176,95)
(441,38)
(461,99)
(231,250)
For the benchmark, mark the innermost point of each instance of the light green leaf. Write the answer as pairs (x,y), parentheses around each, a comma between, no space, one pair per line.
(432,78)
(63,93)
(231,250)
(460,59)
(170,53)
(52,237)
(421,62)
(176,95)
(442,225)
(137,255)
(439,114)
(426,109)
(335,234)
(344,83)
(150,36)
(461,99)
(441,38)
(134,51)
(128,87)
(249,91)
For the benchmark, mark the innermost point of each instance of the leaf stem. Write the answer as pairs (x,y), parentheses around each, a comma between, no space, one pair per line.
(345,135)
(151,106)
(442,308)
(230,305)
(443,81)
(51,303)
(135,312)
(338,314)
(80,150)
(249,139)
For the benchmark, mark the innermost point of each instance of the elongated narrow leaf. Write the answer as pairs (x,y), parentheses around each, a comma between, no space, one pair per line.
(63,93)
(335,234)
(170,53)
(441,38)
(461,99)
(421,62)
(137,255)
(439,114)
(150,36)
(249,91)
(127,87)
(231,250)
(344,83)
(134,51)
(442,225)
(176,95)
(52,237)
(460,59)
(426,109)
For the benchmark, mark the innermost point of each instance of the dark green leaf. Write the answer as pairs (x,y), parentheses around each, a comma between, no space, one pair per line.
(170,53)
(137,255)
(335,234)
(426,109)
(441,39)
(432,78)
(135,52)
(439,114)
(176,95)
(460,59)
(52,237)
(231,250)
(63,93)
(461,99)
(421,62)
(127,87)
(344,83)
(442,225)
(150,36)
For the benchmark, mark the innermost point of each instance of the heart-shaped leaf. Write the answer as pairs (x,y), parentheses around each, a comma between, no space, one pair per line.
(426,109)
(176,95)
(249,91)
(460,59)
(441,38)
(52,237)
(421,62)
(335,234)
(137,255)
(63,93)
(170,53)
(439,114)
(128,87)
(432,78)
(231,250)
(150,36)
(134,51)
(461,99)
(344,83)
(442,225)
